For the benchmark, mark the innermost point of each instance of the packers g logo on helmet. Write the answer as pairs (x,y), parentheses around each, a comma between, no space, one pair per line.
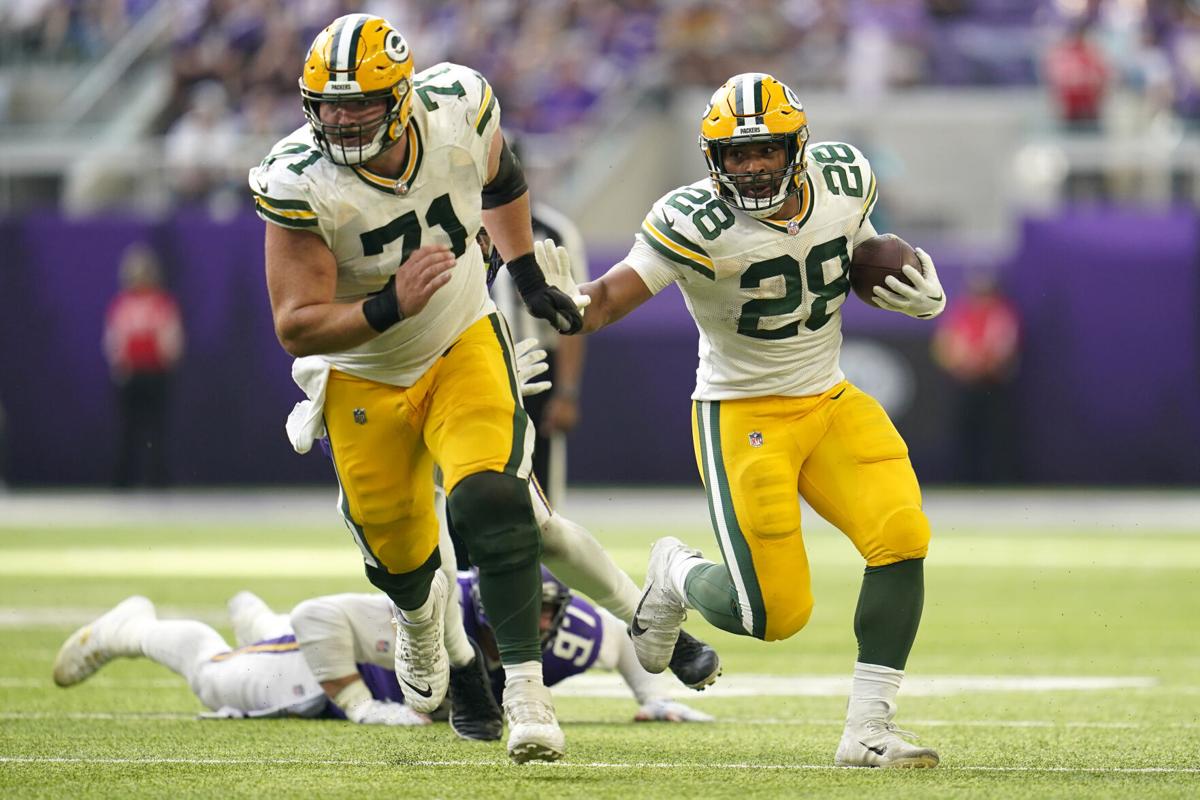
(753,108)
(358,58)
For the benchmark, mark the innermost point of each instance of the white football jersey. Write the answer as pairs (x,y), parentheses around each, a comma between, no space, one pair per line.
(372,223)
(765,294)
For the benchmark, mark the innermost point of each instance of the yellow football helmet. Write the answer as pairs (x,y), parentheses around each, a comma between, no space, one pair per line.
(752,108)
(358,58)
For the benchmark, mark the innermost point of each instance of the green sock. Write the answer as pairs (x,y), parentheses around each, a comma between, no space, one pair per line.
(710,591)
(512,600)
(889,612)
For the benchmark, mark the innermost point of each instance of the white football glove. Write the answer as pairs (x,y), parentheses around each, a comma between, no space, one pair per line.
(925,299)
(385,712)
(662,710)
(356,702)
(531,362)
(555,262)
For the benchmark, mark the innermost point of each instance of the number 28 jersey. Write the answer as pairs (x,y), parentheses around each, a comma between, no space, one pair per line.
(767,300)
(372,224)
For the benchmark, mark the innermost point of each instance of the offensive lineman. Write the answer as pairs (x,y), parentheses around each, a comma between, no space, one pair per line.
(760,250)
(372,210)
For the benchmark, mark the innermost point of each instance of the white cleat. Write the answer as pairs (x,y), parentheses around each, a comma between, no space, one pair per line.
(110,635)
(877,743)
(660,612)
(533,732)
(422,665)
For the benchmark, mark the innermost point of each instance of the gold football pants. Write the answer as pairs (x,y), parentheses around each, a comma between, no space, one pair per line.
(842,453)
(464,414)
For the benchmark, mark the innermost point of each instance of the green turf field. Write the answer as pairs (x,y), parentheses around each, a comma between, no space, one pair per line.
(1059,661)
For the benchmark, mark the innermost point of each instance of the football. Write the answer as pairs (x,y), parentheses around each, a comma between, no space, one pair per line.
(877,258)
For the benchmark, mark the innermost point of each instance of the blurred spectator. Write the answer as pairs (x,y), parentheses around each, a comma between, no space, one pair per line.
(977,343)
(1078,76)
(143,341)
(202,146)
(1186,49)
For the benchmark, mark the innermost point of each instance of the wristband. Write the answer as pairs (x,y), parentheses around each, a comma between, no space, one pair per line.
(382,308)
(526,274)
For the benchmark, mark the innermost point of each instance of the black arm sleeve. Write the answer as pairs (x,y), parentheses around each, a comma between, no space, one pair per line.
(509,183)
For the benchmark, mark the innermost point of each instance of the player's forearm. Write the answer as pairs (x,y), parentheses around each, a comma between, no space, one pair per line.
(568,365)
(336,685)
(613,295)
(322,328)
(510,227)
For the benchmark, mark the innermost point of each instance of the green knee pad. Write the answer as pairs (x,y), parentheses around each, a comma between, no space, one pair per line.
(408,590)
(494,516)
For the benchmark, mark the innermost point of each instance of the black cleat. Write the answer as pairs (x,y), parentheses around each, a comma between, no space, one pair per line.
(474,712)
(695,663)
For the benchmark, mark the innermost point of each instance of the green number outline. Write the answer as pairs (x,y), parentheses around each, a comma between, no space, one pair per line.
(710,218)
(794,286)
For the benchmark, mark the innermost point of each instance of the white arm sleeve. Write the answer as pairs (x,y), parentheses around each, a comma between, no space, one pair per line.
(325,637)
(617,652)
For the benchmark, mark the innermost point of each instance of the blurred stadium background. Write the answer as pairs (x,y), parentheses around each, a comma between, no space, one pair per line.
(1050,147)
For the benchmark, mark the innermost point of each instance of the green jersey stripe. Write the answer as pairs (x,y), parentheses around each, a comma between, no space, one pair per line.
(664,227)
(662,249)
(283,205)
(287,222)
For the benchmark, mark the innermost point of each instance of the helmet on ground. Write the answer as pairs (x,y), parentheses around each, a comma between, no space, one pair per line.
(358,59)
(754,108)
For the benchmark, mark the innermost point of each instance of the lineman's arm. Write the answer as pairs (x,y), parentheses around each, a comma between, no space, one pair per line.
(509,224)
(613,295)
(506,218)
(302,279)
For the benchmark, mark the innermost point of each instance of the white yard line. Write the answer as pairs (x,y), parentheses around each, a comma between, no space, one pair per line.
(751,685)
(561,765)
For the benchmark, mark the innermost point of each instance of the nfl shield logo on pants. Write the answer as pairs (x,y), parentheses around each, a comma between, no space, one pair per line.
(360,416)
(756,439)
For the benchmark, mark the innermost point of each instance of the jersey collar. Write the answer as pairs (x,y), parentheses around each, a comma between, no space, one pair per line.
(806,209)
(398,186)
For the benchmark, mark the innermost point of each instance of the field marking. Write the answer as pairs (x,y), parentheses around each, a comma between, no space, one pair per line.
(1124,511)
(561,765)
(173,716)
(612,686)
(751,685)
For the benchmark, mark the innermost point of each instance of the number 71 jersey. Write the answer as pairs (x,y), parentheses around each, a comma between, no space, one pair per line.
(765,294)
(372,224)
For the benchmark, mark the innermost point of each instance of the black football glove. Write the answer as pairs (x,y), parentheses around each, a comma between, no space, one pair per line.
(543,300)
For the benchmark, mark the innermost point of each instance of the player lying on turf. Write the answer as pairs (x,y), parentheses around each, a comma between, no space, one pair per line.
(332,659)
